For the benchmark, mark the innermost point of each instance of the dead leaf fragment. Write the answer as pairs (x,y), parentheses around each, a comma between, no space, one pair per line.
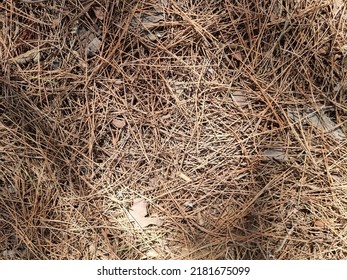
(29,56)
(93,47)
(151,253)
(318,120)
(151,37)
(118,123)
(200,219)
(138,213)
(319,223)
(99,12)
(56,22)
(184,177)
(240,99)
(164,2)
(337,6)
(9,254)
(147,21)
(238,56)
(275,153)
(152,20)
(188,204)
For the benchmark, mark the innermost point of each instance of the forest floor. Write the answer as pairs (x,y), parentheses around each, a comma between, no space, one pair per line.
(173,129)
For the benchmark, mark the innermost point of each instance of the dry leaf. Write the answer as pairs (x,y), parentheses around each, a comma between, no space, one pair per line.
(200,219)
(344,48)
(9,254)
(118,123)
(151,36)
(32,55)
(150,21)
(238,56)
(319,120)
(151,253)
(210,70)
(56,22)
(154,36)
(188,204)
(147,21)
(99,12)
(337,87)
(240,99)
(319,223)
(275,153)
(184,177)
(92,250)
(93,46)
(138,213)
(337,6)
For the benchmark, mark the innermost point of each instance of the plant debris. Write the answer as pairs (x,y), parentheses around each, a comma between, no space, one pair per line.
(138,213)
(318,120)
(275,153)
(230,116)
(29,56)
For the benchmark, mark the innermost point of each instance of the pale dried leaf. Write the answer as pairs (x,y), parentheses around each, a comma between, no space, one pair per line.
(138,213)
(293,114)
(188,204)
(337,87)
(238,56)
(210,70)
(93,47)
(159,34)
(184,177)
(278,8)
(240,99)
(319,223)
(200,219)
(324,123)
(152,20)
(151,37)
(99,12)
(318,120)
(275,153)
(179,87)
(151,253)
(56,22)
(29,56)
(118,123)
(92,250)
(337,6)
(9,254)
